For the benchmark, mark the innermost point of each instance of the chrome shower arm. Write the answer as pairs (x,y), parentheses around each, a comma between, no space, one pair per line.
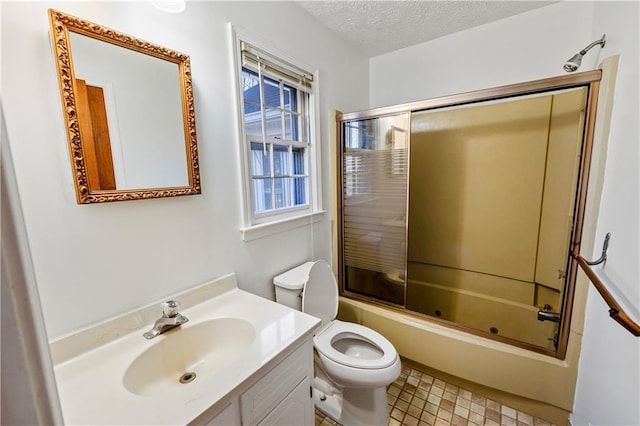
(574,62)
(600,42)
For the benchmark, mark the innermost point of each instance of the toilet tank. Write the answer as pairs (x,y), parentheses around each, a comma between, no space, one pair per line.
(289,285)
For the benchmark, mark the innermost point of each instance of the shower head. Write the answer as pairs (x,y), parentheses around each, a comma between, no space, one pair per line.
(574,62)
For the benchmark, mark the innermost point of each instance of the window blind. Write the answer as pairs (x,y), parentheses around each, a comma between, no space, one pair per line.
(257,60)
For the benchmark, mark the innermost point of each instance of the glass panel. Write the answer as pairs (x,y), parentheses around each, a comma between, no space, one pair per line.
(250,86)
(362,134)
(354,181)
(283,192)
(299,162)
(290,98)
(251,104)
(281,160)
(374,208)
(262,195)
(497,235)
(300,185)
(274,123)
(260,163)
(253,123)
(271,93)
(291,126)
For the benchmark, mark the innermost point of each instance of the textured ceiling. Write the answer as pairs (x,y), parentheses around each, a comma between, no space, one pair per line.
(378,27)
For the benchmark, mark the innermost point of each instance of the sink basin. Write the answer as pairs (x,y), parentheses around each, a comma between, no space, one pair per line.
(188,355)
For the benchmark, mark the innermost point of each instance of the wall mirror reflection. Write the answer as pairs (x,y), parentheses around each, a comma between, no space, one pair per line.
(129,113)
(477,232)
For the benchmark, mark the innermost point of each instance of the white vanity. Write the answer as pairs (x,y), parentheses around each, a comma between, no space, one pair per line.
(240,359)
(281,396)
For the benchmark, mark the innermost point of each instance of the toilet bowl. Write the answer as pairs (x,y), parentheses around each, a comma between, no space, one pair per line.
(353,363)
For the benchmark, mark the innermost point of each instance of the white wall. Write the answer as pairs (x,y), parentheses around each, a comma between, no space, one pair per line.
(95,261)
(608,389)
(531,46)
(524,47)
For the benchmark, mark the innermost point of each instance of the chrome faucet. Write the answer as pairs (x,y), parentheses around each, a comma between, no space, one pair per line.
(170,319)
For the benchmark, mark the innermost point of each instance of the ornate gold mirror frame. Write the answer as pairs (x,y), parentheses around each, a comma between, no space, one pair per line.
(86,191)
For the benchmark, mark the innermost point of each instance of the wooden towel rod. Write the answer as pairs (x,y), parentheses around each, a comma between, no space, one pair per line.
(615,311)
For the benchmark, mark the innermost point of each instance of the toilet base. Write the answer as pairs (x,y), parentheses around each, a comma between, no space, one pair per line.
(354,406)
(365,407)
(330,405)
(349,406)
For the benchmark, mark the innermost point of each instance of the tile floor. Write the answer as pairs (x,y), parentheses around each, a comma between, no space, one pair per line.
(418,399)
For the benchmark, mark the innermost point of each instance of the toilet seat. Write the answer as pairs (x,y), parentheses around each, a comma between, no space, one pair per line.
(323,343)
(353,364)
(320,299)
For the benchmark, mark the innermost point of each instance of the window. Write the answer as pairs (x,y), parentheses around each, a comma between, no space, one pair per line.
(277,141)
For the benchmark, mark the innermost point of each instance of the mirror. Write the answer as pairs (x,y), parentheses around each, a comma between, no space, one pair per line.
(465,209)
(129,112)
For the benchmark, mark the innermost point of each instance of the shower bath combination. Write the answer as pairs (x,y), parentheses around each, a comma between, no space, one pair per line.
(574,62)
(451,221)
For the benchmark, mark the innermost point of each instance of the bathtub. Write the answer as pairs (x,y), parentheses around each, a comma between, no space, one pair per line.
(482,312)
(539,384)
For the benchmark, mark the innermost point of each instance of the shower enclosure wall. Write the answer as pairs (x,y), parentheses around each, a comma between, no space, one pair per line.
(464,210)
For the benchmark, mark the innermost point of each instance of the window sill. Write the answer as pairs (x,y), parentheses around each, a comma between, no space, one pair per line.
(263,230)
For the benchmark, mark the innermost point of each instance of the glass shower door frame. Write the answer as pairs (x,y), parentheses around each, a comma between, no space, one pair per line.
(590,80)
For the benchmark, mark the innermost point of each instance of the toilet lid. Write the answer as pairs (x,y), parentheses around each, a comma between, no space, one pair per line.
(320,295)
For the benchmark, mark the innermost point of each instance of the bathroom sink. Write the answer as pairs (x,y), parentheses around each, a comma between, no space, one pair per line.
(187,355)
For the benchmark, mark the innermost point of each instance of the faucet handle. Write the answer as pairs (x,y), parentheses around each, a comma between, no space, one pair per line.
(170,308)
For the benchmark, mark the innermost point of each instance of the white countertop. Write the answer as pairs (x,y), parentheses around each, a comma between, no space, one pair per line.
(90,384)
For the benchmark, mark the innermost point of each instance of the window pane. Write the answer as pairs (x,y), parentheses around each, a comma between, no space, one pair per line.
(262,195)
(250,85)
(252,123)
(283,192)
(251,104)
(291,126)
(290,99)
(300,191)
(281,160)
(271,93)
(274,123)
(299,164)
(260,164)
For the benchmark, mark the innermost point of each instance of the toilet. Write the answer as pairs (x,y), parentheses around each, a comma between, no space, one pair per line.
(353,364)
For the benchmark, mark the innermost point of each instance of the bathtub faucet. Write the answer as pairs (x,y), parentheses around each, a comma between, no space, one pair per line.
(548,316)
(170,319)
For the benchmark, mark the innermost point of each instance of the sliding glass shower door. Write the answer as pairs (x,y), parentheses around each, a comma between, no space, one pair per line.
(465,210)
(374,206)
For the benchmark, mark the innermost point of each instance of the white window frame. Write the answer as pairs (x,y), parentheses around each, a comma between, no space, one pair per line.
(267,223)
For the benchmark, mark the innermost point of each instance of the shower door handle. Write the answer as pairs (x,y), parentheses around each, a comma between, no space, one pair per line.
(548,316)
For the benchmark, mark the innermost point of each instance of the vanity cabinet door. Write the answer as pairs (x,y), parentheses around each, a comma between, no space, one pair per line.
(266,395)
(295,409)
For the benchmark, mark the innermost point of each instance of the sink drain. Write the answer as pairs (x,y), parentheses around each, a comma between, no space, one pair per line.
(187,377)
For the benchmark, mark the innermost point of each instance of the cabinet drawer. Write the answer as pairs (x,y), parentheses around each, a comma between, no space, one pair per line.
(258,401)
